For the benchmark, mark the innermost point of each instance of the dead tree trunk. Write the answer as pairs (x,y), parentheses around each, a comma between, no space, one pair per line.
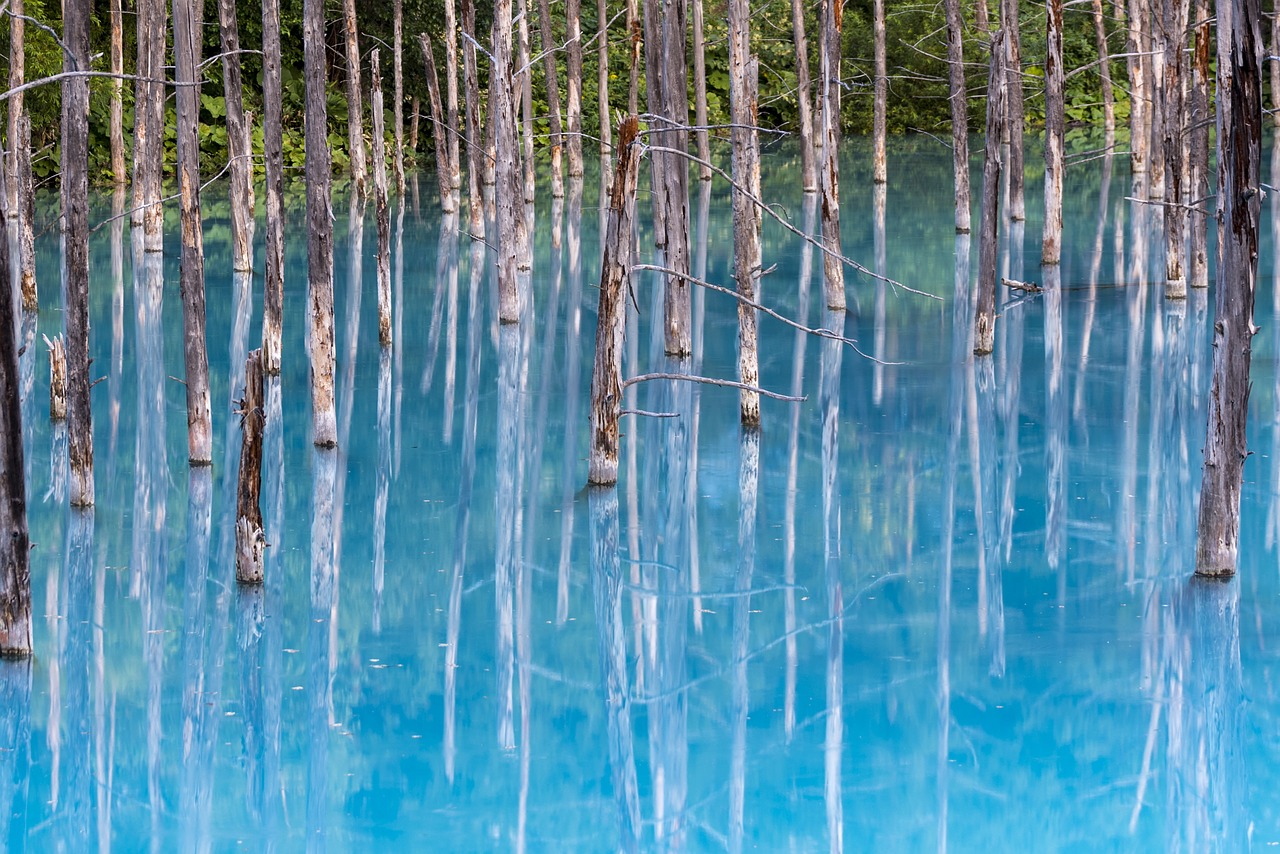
(984,324)
(982,19)
(238,142)
(474,142)
(1240,146)
(635,40)
(611,316)
(381,212)
(118,173)
(700,120)
(602,76)
(746,236)
(273,156)
(573,84)
(17,76)
(451,94)
(1138,62)
(75,207)
(959,112)
(1175,216)
(251,542)
(324,422)
(831,18)
(1104,71)
(25,216)
(439,132)
(804,102)
(524,62)
(355,104)
(57,378)
(187,50)
(1016,112)
(1199,172)
(15,545)
(1054,133)
(549,50)
(1275,65)
(879,169)
(513,237)
(148,134)
(397,85)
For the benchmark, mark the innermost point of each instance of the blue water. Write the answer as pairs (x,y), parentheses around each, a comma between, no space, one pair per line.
(940,603)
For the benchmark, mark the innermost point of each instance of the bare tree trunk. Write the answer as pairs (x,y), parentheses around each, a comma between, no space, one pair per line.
(413,131)
(17,76)
(1153,33)
(25,216)
(831,19)
(1015,119)
(1175,216)
(573,84)
(804,98)
(984,325)
(273,156)
(439,132)
(513,236)
(75,207)
(187,54)
(602,77)
(15,545)
(148,136)
(1199,177)
(879,173)
(549,50)
(251,542)
(615,280)
(1138,62)
(474,142)
(1274,64)
(982,19)
(451,94)
(57,378)
(700,95)
(397,76)
(959,112)
(238,142)
(381,212)
(746,236)
(355,104)
(1104,71)
(118,173)
(324,422)
(1239,173)
(635,39)
(1054,133)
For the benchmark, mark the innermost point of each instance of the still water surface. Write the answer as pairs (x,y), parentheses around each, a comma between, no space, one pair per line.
(939,603)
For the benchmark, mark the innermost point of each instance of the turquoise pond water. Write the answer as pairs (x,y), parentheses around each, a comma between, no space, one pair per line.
(940,603)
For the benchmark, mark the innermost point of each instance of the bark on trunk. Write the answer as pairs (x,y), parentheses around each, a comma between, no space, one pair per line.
(513,239)
(982,19)
(1199,174)
(879,169)
(474,143)
(439,133)
(833,269)
(1138,63)
(556,141)
(355,103)
(1104,71)
(75,208)
(15,545)
(984,325)
(615,280)
(25,217)
(381,211)
(635,39)
(700,93)
(273,156)
(602,76)
(187,26)
(324,424)
(746,236)
(959,112)
(1175,216)
(118,173)
(148,134)
(1275,65)
(804,95)
(1240,133)
(451,94)
(1013,96)
(57,378)
(1054,132)
(17,75)
(239,145)
(397,83)
(573,84)
(251,542)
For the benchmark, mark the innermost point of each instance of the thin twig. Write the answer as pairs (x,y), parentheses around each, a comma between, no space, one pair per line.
(712,381)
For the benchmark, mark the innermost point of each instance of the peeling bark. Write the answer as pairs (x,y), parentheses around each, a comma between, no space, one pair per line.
(273,157)
(250,539)
(324,424)
(984,326)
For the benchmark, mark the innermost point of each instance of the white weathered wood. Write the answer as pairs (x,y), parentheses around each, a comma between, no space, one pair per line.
(355,99)
(473,139)
(831,15)
(239,146)
(984,326)
(1198,179)
(879,166)
(552,79)
(381,211)
(1054,134)
(116,121)
(959,112)
(746,234)
(273,160)
(1175,216)
(324,422)
(1010,23)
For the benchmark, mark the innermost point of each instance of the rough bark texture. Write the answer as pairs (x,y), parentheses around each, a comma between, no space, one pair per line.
(1014,100)
(833,269)
(615,279)
(1274,65)
(474,143)
(250,539)
(602,76)
(187,26)
(118,173)
(439,134)
(804,95)
(397,89)
(573,84)
(26,217)
(984,324)
(148,132)
(1175,215)
(1198,173)
(17,75)
(1104,72)
(1138,63)
(355,102)
(75,207)
(15,545)
(451,94)
(57,379)
(702,135)
(524,80)
(239,146)
(273,157)
(513,235)
(1240,135)
(635,41)
(1054,132)
(381,211)
(879,169)
(556,140)
(746,235)
(324,424)
(959,112)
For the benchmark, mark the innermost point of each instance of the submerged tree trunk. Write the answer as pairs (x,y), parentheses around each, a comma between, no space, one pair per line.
(804,96)
(239,145)
(355,104)
(324,423)
(1239,171)
(1175,216)
(1199,166)
(1013,97)
(439,131)
(1104,71)
(118,173)
(615,280)
(474,143)
(524,82)
(700,93)
(273,157)
(1138,63)
(148,133)
(451,94)
(573,84)
(1054,133)
(381,212)
(513,237)
(17,76)
(553,95)
(250,539)
(984,325)
(635,40)
(25,216)
(879,169)
(602,77)
(397,81)
(746,235)
(187,49)
(75,207)
(831,15)
(959,112)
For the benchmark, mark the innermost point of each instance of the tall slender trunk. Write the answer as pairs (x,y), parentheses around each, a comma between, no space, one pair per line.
(524,78)
(187,26)
(118,173)
(700,93)
(439,134)
(239,145)
(982,19)
(746,236)
(250,539)
(602,76)
(1198,184)
(148,134)
(804,96)
(1104,71)
(635,41)
(397,77)
(831,19)
(984,327)
(451,94)
(879,169)
(1175,216)
(75,208)
(474,142)
(1138,94)
(1239,173)
(1054,133)
(513,238)
(1274,65)
(324,423)
(1013,96)
(381,212)
(273,157)
(17,76)
(573,84)
(548,41)
(959,112)
(355,103)
(25,215)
